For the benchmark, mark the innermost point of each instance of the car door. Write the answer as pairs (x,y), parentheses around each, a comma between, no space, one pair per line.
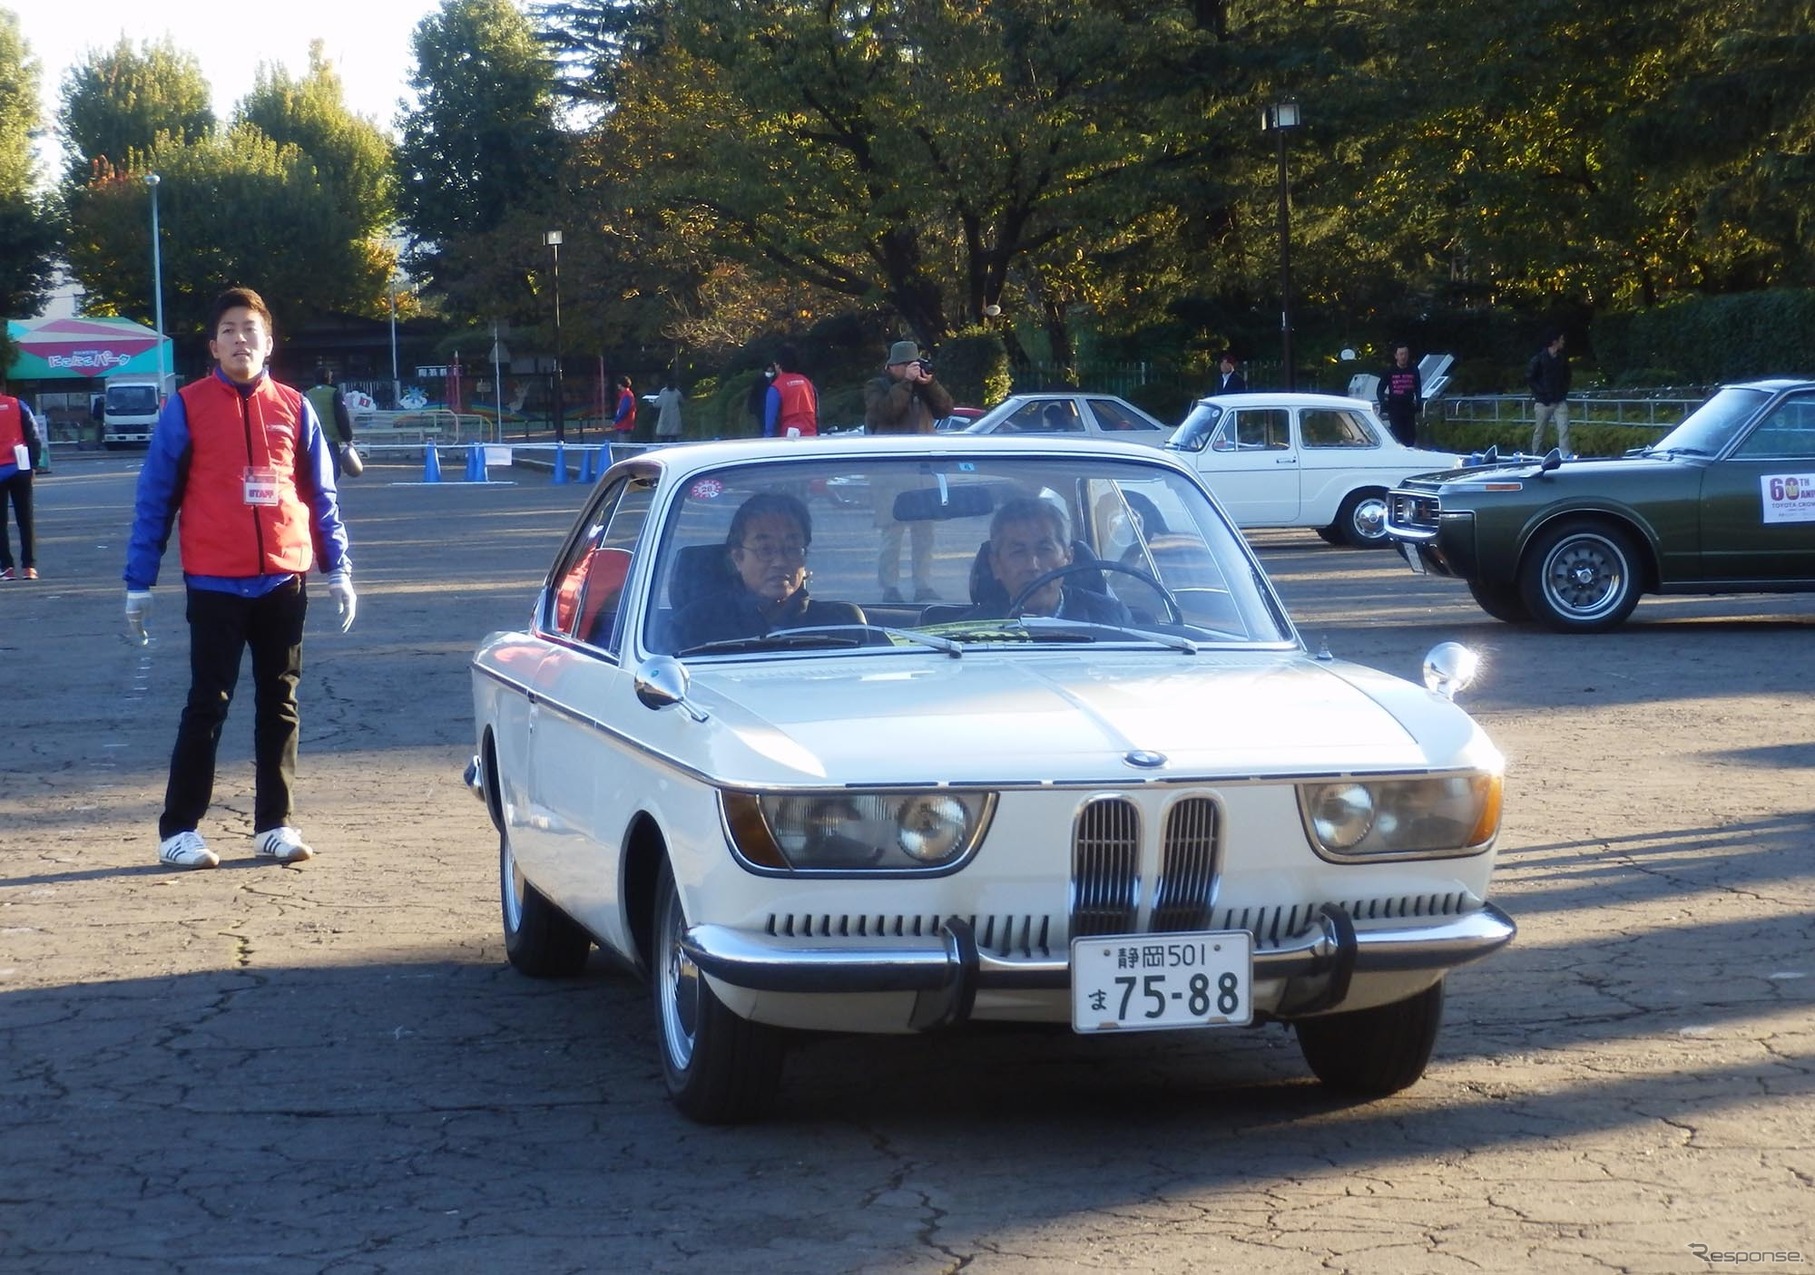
(1252,466)
(1339,451)
(1758,502)
(579,768)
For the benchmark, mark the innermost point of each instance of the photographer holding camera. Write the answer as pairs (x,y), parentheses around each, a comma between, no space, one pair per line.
(905,399)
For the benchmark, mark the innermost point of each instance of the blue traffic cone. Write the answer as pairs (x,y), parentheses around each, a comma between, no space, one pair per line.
(472,462)
(431,463)
(480,473)
(589,468)
(560,462)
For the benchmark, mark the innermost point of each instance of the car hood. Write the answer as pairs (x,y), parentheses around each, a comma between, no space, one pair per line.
(1592,470)
(1032,717)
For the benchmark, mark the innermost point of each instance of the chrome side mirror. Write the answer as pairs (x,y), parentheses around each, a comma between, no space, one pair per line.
(661,682)
(1450,668)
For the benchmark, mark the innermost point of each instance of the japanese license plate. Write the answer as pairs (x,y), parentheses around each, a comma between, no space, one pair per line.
(1413,558)
(1151,982)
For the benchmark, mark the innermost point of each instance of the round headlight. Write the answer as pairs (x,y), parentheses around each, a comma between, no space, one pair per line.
(932,829)
(1342,814)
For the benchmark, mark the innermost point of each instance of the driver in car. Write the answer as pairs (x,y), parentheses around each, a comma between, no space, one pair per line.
(1028,538)
(767,546)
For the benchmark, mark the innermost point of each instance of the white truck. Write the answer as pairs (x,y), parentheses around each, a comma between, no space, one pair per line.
(129,408)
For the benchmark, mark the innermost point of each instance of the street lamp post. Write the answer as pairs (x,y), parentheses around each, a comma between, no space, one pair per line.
(553,240)
(396,381)
(1277,118)
(157,278)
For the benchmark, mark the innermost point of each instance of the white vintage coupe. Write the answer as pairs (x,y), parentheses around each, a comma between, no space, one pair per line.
(1025,736)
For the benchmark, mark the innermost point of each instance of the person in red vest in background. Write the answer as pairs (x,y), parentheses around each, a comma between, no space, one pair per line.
(792,409)
(19,442)
(624,416)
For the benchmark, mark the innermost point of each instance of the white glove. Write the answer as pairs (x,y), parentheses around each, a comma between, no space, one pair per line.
(138,614)
(346,602)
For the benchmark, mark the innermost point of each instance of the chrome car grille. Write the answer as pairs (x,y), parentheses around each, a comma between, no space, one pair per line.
(1003,936)
(1409,510)
(1187,884)
(1105,868)
(1272,926)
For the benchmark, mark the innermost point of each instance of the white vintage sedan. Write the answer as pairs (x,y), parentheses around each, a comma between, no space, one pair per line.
(1027,737)
(1302,460)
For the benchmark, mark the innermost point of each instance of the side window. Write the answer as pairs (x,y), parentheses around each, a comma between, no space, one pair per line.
(1048,416)
(1324,427)
(1255,430)
(589,589)
(1113,417)
(1789,431)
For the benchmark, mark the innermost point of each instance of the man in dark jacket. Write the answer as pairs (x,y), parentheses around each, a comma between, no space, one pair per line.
(905,399)
(1401,392)
(1548,376)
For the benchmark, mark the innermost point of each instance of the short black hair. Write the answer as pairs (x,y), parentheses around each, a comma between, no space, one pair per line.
(788,358)
(237,298)
(769,502)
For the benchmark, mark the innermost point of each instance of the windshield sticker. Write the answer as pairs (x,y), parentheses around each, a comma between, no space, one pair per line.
(1788,497)
(706,489)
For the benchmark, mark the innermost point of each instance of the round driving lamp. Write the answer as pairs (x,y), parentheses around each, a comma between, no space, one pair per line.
(932,829)
(1342,814)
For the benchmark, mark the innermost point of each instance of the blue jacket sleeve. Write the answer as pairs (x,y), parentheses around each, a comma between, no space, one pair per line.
(160,494)
(771,411)
(315,483)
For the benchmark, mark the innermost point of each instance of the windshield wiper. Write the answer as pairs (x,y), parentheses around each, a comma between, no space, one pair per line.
(780,640)
(821,637)
(1047,628)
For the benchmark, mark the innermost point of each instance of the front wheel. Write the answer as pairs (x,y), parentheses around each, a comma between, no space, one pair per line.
(1502,601)
(720,1069)
(1362,519)
(540,939)
(1581,577)
(1370,1053)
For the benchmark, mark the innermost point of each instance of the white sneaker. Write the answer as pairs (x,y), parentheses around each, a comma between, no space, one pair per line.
(187,850)
(284,844)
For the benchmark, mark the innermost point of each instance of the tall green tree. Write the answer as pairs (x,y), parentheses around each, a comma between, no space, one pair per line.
(124,98)
(28,235)
(482,140)
(235,207)
(352,156)
(912,154)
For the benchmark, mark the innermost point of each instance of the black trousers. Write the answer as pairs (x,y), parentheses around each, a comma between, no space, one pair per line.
(1404,424)
(18,489)
(222,626)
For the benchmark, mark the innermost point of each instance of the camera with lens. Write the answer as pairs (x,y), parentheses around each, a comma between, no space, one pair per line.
(926,365)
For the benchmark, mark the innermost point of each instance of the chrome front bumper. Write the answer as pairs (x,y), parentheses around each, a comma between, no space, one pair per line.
(947,969)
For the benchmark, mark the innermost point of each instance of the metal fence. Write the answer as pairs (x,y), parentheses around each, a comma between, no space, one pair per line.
(1662,412)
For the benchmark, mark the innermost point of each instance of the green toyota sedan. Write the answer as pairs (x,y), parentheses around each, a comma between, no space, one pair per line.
(1724,503)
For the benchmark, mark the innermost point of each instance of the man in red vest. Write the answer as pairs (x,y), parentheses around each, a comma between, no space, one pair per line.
(239,466)
(19,442)
(792,407)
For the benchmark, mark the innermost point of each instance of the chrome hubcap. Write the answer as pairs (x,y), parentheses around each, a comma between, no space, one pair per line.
(1370,518)
(680,992)
(1585,576)
(511,878)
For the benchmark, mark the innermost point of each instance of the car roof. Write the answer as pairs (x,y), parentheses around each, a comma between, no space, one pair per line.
(1774,384)
(688,458)
(1285,398)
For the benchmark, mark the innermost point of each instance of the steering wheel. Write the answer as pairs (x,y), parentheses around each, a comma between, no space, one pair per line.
(1174,613)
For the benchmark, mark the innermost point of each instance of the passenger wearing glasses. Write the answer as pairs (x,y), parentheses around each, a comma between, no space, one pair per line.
(767,551)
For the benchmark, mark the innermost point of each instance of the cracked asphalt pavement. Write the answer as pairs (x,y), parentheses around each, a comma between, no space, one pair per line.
(330,1067)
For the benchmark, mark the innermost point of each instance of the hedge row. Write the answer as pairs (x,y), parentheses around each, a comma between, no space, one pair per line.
(1706,340)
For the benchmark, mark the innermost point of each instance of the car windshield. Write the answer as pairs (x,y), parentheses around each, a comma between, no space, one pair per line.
(949,555)
(131,400)
(1709,428)
(1197,428)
